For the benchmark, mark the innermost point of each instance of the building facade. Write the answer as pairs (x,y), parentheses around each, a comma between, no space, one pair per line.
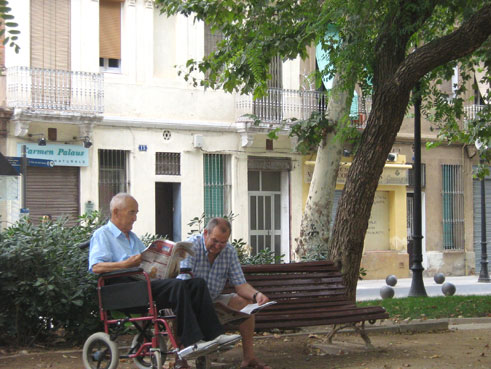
(95,89)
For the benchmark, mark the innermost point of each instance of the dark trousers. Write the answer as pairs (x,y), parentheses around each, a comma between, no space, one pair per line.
(191,302)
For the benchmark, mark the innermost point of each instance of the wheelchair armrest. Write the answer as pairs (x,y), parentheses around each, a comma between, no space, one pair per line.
(120,272)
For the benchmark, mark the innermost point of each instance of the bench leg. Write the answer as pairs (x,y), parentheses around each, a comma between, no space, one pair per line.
(334,330)
(361,330)
(358,329)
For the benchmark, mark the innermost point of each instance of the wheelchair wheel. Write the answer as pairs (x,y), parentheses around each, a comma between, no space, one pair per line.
(145,362)
(100,352)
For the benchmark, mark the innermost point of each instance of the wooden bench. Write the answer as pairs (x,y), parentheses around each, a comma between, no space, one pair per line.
(308,294)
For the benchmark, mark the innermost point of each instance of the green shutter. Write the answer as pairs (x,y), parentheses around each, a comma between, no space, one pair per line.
(214,183)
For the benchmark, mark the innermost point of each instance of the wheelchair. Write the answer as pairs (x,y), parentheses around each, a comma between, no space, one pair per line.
(133,300)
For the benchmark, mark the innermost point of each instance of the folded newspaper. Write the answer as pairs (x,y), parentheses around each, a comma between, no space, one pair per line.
(162,258)
(226,314)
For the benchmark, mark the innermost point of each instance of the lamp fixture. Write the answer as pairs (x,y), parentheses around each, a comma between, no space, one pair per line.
(41,141)
(86,141)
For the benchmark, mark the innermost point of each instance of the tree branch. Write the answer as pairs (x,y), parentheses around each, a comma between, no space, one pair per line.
(463,41)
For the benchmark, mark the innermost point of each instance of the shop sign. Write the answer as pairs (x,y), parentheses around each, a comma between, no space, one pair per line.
(390,176)
(61,155)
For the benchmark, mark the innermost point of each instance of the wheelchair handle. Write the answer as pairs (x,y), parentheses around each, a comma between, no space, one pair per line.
(84,245)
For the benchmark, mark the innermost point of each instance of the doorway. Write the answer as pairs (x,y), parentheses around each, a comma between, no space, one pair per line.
(168,210)
(265,211)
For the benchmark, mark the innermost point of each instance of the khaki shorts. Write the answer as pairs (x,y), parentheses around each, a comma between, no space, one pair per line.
(225,298)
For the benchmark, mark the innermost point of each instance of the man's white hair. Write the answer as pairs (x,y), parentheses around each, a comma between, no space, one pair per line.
(119,200)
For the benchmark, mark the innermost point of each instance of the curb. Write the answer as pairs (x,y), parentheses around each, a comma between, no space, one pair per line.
(387,326)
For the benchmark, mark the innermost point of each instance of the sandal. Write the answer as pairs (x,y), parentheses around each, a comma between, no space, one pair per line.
(256,365)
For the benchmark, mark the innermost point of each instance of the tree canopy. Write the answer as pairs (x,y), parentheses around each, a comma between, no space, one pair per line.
(394,44)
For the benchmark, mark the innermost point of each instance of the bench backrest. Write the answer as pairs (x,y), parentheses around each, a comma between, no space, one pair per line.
(308,293)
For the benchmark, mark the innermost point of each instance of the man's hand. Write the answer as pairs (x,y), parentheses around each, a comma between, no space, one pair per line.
(133,261)
(261,298)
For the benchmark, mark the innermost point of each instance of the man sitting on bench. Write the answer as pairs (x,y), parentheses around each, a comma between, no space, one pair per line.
(216,261)
(114,246)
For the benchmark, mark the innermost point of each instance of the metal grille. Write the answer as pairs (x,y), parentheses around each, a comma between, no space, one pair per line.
(216,185)
(410,175)
(211,39)
(168,163)
(113,176)
(453,207)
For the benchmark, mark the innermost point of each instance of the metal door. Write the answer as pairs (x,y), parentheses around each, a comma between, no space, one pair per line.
(265,211)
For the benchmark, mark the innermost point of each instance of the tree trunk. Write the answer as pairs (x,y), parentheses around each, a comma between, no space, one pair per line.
(316,220)
(356,202)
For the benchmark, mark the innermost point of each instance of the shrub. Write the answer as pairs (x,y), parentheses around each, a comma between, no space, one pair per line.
(47,293)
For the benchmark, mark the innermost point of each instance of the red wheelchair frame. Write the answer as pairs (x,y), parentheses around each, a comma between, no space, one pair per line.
(149,347)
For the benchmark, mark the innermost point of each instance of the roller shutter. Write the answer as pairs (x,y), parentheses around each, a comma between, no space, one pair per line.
(53,192)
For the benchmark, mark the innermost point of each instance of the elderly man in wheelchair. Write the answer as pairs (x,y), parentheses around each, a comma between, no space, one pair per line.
(115,254)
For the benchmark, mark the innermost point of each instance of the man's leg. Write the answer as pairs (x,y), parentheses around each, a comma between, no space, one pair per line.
(203,308)
(246,330)
(175,293)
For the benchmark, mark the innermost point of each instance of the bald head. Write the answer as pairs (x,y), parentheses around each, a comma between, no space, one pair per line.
(123,209)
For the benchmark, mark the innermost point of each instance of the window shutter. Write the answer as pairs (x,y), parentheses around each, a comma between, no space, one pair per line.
(50,34)
(110,29)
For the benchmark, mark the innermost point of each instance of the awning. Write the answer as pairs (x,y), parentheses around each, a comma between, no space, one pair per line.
(5,168)
(480,72)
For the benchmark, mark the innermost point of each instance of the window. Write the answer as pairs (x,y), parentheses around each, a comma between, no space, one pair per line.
(453,207)
(410,214)
(269,108)
(410,175)
(110,35)
(168,163)
(113,176)
(50,54)
(211,39)
(216,175)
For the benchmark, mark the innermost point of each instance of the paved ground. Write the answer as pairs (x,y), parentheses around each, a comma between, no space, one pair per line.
(467,285)
(432,344)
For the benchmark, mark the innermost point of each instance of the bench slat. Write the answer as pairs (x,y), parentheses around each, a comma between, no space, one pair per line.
(314,322)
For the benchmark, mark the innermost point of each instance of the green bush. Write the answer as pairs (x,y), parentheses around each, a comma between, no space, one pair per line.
(47,293)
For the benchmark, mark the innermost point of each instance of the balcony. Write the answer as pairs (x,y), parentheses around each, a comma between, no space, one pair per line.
(471,111)
(279,106)
(55,94)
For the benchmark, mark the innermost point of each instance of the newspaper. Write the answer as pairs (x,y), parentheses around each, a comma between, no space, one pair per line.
(162,258)
(227,315)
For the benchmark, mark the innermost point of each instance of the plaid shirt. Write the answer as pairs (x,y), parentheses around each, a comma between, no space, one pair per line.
(225,267)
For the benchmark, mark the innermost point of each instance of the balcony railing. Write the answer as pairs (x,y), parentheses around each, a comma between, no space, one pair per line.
(49,90)
(281,105)
(471,111)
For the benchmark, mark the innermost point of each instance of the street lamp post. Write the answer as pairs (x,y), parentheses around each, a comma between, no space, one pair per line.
(483,274)
(417,284)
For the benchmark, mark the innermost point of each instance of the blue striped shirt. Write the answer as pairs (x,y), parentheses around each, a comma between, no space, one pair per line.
(108,243)
(225,267)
